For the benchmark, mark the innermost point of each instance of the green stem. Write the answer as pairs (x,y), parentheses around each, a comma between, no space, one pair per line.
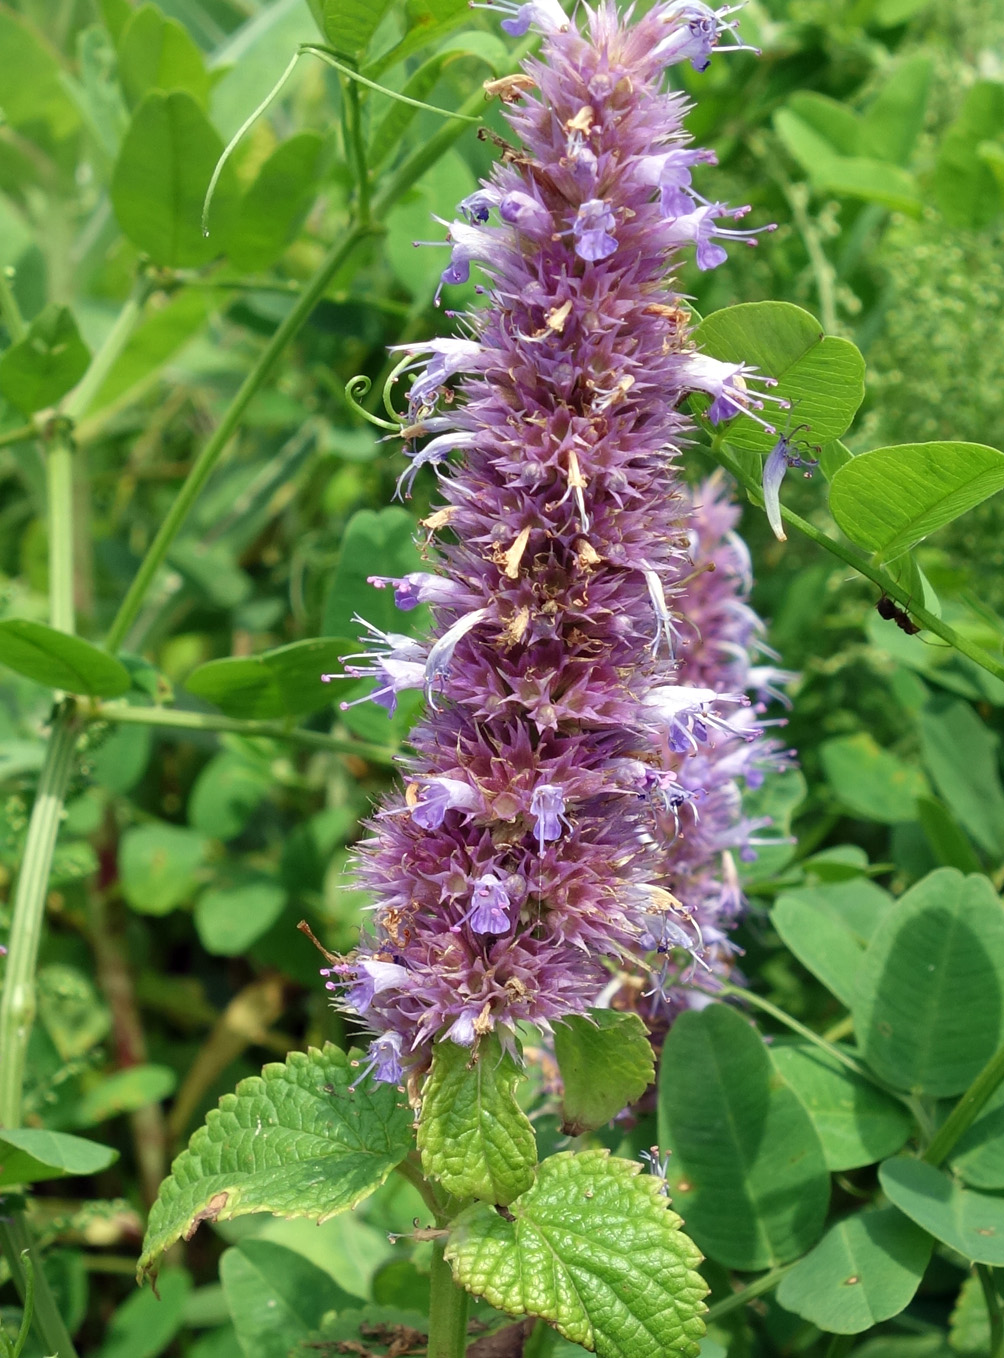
(358,151)
(859,562)
(125,715)
(822,270)
(447,1310)
(965,1111)
(410,1168)
(14,1240)
(26,431)
(59,484)
(210,455)
(17,1004)
(82,396)
(10,312)
(986,1277)
(765,1283)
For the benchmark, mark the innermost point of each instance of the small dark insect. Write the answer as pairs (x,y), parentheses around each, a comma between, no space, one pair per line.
(891,611)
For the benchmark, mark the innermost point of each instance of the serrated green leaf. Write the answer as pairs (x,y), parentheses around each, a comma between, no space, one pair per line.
(960,753)
(865,1269)
(474,1137)
(276,1296)
(606,1062)
(50,360)
(822,376)
(59,660)
(296,1141)
(282,683)
(969,1222)
(857,1124)
(160,180)
(275,206)
(30,1154)
(930,1008)
(869,781)
(747,1168)
(156,53)
(888,500)
(159,865)
(594,1249)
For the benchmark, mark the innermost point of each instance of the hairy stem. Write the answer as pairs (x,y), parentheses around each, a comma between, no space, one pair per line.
(125,715)
(965,1111)
(859,562)
(17,1005)
(48,1323)
(447,1310)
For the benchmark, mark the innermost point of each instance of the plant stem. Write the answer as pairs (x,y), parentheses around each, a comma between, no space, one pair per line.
(447,1310)
(859,562)
(759,1002)
(765,1283)
(410,1168)
(10,312)
(125,715)
(59,485)
(822,270)
(986,1277)
(14,1240)
(82,396)
(964,1113)
(358,151)
(17,1005)
(19,435)
(210,455)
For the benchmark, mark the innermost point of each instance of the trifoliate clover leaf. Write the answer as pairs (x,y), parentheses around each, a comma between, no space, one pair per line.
(594,1249)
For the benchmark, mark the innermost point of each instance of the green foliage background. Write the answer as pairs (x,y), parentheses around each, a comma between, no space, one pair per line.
(872,131)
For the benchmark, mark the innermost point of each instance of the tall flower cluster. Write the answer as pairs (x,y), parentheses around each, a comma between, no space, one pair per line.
(573,804)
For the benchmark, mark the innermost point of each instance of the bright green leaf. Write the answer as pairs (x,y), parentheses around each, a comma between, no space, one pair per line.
(895,117)
(930,1011)
(857,1124)
(146,1322)
(865,1269)
(606,1062)
(377,542)
(947,840)
(31,90)
(961,755)
(31,1154)
(978,1155)
(747,1169)
(229,919)
(965,187)
(969,1324)
(970,1223)
(50,360)
(594,1249)
(827,927)
(300,1140)
(837,125)
(160,182)
(59,660)
(888,500)
(124,1092)
(156,53)
(274,207)
(227,793)
(282,683)
(350,24)
(159,866)
(871,782)
(276,1297)
(874,181)
(474,1137)
(821,375)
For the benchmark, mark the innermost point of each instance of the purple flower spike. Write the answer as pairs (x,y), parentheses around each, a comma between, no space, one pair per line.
(573,811)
